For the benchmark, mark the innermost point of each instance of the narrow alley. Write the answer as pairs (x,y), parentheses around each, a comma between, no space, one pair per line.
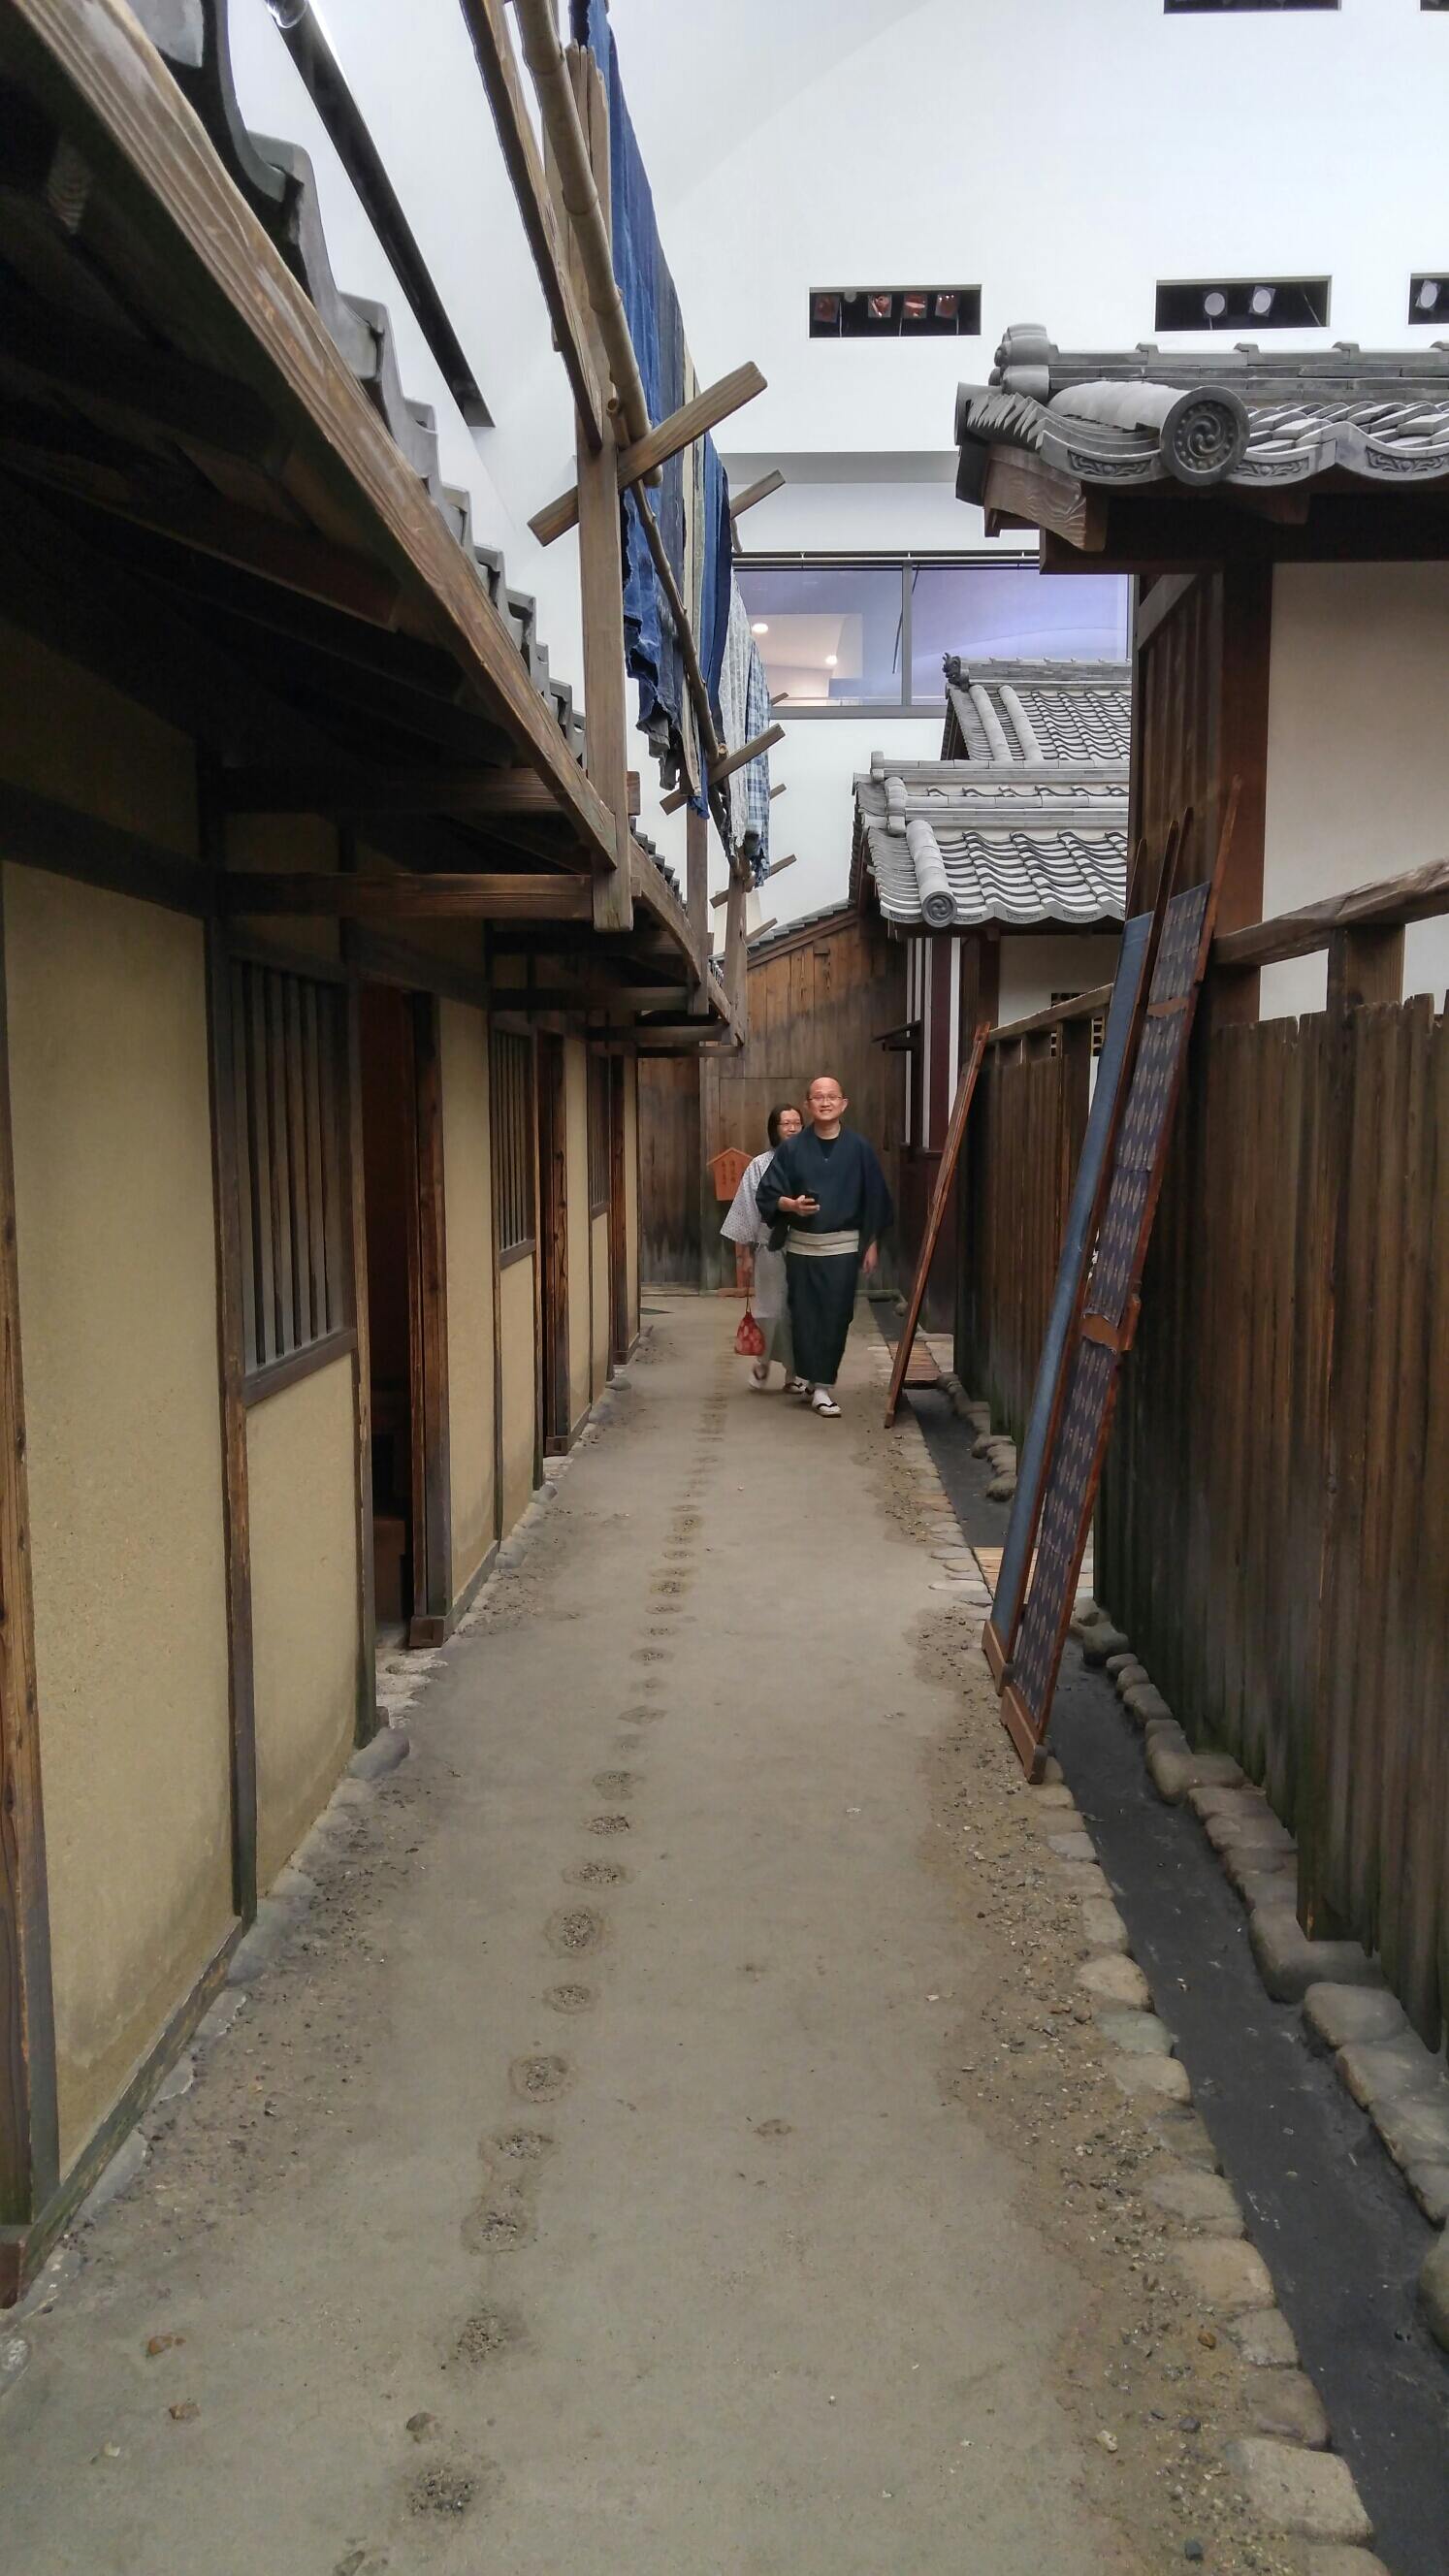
(616,2169)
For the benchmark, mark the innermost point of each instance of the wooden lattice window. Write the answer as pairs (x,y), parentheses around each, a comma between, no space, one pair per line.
(598,1134)
(289,1057)
(513,1144)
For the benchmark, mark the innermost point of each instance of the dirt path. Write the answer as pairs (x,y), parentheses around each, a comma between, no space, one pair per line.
(616,2174)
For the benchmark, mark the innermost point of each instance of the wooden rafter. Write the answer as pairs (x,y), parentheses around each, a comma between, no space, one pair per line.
(429,897)
(349,790)
(1029,494)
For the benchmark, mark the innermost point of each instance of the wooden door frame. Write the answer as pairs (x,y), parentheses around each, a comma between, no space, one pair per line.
(552,1243)
(29,2112)
(619,1336)
(432,1534)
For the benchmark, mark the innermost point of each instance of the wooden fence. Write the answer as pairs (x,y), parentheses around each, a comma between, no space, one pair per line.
(1273,1531)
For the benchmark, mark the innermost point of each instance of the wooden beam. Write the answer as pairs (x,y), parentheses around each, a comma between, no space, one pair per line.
(29,2121)
(727,764)
(639,461)
(531,999)
(226,285)
(776,869)
(778,789)
(1043,497)
(119,376)
(294,558)
(753,492)
(1420,895)
(36,832)
(345,788)
(431,897)
(493,51)
(764,929)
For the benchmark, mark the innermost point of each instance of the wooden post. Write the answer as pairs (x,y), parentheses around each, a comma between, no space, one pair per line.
(1366,965)
(736,964)
(601,568)
(29,2121)
(697,903)
(433,1540)
(355,1254)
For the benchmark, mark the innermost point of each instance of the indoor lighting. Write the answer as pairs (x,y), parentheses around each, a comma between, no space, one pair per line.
(1215,304)
(1261,301)
(1428,295)
(880,307)
(914,308)
(826,309)
(830,661)
(947,308)
(759,627)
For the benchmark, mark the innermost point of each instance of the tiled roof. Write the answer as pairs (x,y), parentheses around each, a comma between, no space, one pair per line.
(1030,714)
(1238,415)
(1024,817)
(947,857)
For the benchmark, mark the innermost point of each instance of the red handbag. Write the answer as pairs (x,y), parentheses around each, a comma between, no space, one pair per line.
(749,1340)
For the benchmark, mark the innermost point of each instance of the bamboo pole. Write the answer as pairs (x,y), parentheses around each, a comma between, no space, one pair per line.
(545,59)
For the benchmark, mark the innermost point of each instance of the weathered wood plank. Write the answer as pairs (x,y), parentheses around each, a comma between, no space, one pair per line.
(431,897)
(643,456)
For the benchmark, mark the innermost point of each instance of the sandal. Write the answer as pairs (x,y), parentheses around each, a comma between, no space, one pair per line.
(760,1376)
(822,1401)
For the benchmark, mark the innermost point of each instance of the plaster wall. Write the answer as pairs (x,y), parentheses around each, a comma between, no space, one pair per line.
(1357,679)
(468,1189)
(302,1508)
(576,1116)
(1033,969)
(519,1386)
(599,1267)
(114,1225)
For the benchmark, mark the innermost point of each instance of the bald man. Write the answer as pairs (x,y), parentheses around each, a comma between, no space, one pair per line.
(825,1199)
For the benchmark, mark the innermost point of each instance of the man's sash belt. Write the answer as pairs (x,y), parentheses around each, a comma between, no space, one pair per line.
(824,1247)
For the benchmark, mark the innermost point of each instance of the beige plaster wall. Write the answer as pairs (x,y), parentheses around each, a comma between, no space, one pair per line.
(576,1117)
(302,1495)
(468,1199)
(631,1189)
(1356,699)
(599,1255)
(518,1374)
(114,1224)
(1033,969)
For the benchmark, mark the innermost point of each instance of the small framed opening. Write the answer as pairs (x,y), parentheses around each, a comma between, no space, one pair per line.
(1242,304)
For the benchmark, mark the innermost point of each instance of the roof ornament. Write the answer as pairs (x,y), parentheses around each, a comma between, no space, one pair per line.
(938,903)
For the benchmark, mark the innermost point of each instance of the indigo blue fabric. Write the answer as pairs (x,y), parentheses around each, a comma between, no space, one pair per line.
(651,307)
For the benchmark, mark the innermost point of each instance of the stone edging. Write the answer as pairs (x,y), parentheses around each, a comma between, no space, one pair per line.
(1346,2004)
(1292,2482)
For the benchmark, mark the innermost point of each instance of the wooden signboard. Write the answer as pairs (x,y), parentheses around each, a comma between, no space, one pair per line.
(945,1174)
(1114,1071)
(1109,1313)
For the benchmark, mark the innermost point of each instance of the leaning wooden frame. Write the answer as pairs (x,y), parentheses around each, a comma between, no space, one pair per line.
(945,1175)
(1135,960)
(1107,1311)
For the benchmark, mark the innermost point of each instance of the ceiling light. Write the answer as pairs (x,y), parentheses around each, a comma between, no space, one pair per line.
(879,307)
(759,627)
(830,661)
(1430,289)
(1261,300)
(1215,304)
(948,308)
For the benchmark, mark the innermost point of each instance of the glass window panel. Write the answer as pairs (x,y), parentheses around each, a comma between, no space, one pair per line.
(830,634)
(1011,613)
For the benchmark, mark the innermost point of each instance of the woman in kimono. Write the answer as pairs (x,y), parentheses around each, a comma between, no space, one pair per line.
(825,1200)
(764,1270)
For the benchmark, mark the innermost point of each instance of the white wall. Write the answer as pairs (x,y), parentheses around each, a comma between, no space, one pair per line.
(1033,969)
(1062,156)
(1358,680)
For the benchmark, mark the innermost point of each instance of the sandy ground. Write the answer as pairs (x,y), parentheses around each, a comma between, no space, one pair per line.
(671,2143)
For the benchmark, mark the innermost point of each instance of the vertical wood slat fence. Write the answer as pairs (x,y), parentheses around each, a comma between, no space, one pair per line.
(1273,1532)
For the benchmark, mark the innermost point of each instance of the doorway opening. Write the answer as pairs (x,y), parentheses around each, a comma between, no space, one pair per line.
(407,1337)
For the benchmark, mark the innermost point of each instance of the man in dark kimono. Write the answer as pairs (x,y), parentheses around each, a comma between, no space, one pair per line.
(825,1199)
